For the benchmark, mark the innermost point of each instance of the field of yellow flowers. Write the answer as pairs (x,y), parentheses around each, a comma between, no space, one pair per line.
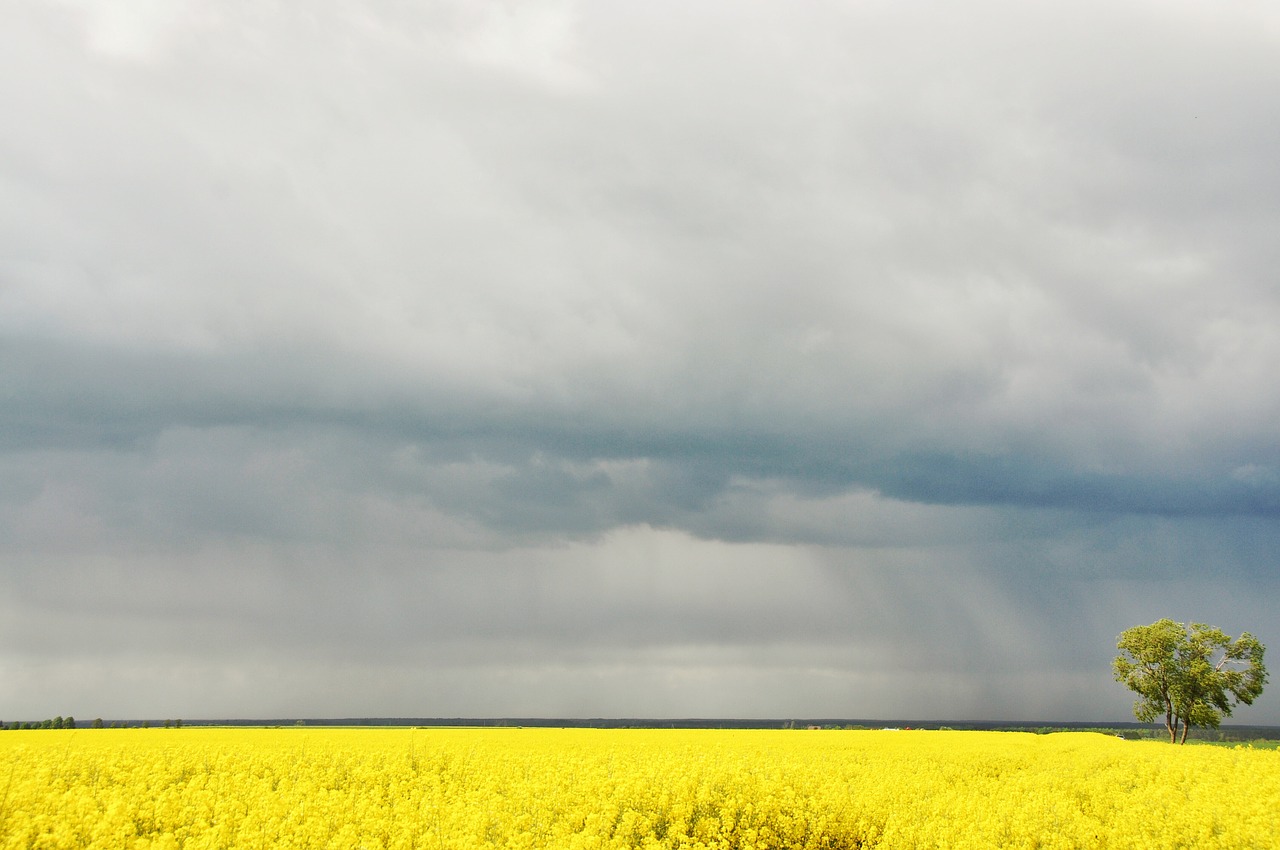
(591,788)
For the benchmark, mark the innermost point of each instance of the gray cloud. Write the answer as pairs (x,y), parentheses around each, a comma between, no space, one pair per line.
(589,359)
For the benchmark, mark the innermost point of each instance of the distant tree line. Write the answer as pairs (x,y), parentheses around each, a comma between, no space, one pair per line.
(55,723)
(70,723)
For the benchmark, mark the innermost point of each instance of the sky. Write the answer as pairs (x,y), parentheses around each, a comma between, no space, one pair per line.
(844,359)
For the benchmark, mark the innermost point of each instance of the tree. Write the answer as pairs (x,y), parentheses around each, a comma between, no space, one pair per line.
(1192,676)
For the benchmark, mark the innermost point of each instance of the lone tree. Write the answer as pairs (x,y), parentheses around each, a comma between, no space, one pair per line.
(1193,676)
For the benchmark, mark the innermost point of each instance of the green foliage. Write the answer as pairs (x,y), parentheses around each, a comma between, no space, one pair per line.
(48,723)
(1190,676)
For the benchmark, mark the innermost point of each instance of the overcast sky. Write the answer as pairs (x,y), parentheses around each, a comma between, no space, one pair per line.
(823,359)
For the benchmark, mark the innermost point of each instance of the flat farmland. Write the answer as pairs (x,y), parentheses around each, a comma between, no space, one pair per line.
(596,788)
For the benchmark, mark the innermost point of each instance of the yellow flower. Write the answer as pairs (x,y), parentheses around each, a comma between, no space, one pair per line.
(593,789)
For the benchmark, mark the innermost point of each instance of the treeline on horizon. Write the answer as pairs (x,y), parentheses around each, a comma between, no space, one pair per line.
(55,723)
(1132,730)
(70,723)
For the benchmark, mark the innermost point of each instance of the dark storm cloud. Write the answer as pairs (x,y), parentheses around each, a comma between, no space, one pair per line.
(590,358)
(180,427)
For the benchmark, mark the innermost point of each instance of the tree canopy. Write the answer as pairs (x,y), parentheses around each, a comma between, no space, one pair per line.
(1191,675)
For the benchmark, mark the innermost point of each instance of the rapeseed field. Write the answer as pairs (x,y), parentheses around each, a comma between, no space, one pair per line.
(590,788)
